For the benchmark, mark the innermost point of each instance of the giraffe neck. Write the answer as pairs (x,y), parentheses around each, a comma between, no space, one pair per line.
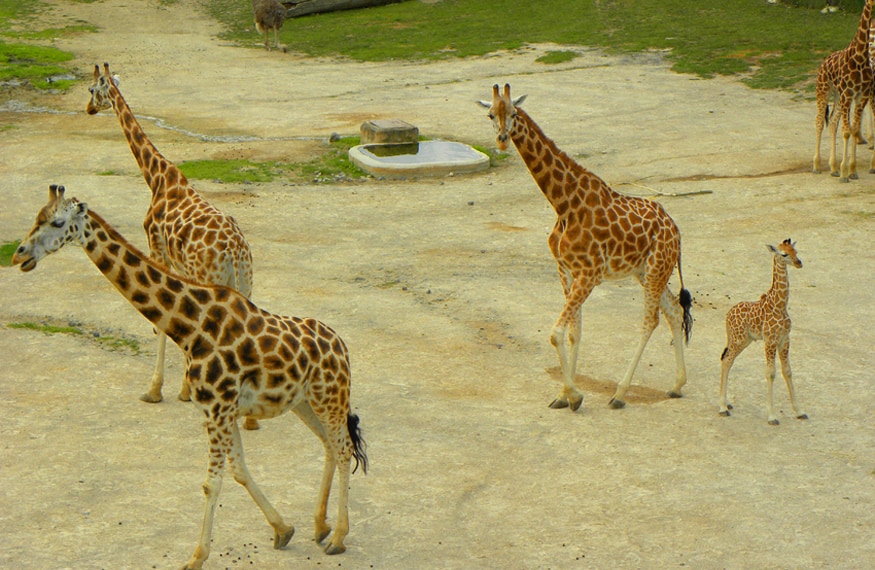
(860,43)
(158,172)
(779,293)
(172,305)
(556,173)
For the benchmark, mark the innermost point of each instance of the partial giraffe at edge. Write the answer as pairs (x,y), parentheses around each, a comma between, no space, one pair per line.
(599,235)
(767,320)
(240,361)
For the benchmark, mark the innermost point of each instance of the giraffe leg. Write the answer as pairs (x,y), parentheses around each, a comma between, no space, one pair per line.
(282,531)
(770,379)
(784,354)
(565,338)
(153,396)
(820,119)
(674,315)
(848,145)
(331,427)
(219,445)
(833,132)
(321,526)
(734,347)
(653,292)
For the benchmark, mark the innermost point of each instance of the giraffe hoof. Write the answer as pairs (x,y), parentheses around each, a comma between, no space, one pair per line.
(184,397)
(322,533)
(843,179)
(854,176)
(673,394)
(559,403)
(729,407)
(334,549)
(575,404)
(725,413)
(835,174)
(616,404)
(251,424)
(774,422)
(150,398)
(802,417)
(281,540)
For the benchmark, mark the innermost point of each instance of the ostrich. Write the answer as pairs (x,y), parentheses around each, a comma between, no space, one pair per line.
(269,15)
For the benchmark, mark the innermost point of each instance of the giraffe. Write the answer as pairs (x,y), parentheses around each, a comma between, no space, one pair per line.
(185,232)
(599,235)
(240,361)
(767,320)
(846,75)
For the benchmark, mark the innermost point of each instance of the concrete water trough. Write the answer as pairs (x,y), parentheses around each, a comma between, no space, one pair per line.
(390,148)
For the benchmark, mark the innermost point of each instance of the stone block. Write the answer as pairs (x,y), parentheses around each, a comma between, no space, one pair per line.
(388,131)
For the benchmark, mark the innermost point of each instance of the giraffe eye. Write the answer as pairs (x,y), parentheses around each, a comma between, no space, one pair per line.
(57,223)
(491,116)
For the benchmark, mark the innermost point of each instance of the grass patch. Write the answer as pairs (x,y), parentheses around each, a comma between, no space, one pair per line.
(334,165)
(7,250)
(107,342)
(554,57)
(45,329)
(26,56)
(772,45)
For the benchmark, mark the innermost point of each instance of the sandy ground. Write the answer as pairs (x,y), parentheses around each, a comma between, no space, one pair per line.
(445,292)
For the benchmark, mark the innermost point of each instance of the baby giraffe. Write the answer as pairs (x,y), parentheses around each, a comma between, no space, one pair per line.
(767,320)
(239,361)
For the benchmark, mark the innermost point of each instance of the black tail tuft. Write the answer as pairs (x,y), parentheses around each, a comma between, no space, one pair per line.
(725,352)
(359,447)
(826,116)
(686,301)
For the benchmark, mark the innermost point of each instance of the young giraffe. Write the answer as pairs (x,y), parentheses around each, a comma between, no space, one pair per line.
(240,361)
(186,233)
(599,235)
(848,75)
(767,320)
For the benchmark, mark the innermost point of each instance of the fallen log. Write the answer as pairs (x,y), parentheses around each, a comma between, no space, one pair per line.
(306,7)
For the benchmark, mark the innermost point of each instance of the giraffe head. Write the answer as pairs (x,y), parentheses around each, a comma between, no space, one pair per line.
(786,253)
(100,97)
(502,112)
(58,223)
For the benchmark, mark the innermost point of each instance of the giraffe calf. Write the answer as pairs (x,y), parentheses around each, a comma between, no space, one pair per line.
(766,320)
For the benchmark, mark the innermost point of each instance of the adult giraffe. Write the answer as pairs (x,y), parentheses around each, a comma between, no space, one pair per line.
(185,232)
(599,235)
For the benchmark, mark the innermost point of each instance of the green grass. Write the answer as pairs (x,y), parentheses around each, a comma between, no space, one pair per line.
(772,46)
(107,342)
(26,54)
(333,165)
(45,329)
(553,57)
(7,250)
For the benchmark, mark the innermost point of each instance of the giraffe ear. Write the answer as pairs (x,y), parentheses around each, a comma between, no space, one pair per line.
(772,248)
(519,100)
(116,80)
(484,104)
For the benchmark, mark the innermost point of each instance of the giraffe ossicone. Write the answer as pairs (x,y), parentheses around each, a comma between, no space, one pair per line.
(185,232)
(767,320)
(240,361)
(599,235)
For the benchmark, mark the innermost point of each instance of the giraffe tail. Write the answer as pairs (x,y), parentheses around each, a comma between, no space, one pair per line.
(359,446)
(686,301)
(826,115)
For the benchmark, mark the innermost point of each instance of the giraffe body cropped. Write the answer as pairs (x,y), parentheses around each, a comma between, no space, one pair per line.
(767,320)
(845,75)
(599,235)
(240,361)
(185,232)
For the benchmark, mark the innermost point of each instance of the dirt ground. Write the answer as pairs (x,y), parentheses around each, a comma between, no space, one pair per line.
(445,291)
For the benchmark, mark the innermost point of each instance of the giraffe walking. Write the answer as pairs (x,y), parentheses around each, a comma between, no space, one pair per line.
(766,320)
(240,361)
(847,76)
(185,232)
(599,235)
